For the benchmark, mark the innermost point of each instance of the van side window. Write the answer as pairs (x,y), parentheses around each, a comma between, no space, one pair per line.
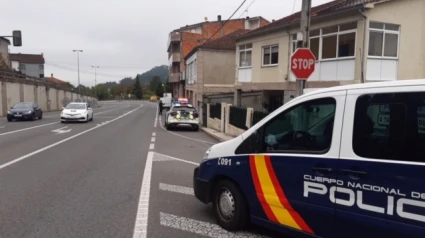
(305,128)
(390,126)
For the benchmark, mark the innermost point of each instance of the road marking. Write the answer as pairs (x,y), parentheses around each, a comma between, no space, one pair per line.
(28,128)
(176,189)
(202,141)
(156,118)
(200,227)
(110,110)
(2,127)
(166,157)
(151,146)
(153,133)
(153,139)
(141,224)
(60,131)
(62,141)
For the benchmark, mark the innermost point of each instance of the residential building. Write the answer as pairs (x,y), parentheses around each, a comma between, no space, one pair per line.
(28,64)
(55,80)
(210,68)
(354,41)
(4,53)
(183,40)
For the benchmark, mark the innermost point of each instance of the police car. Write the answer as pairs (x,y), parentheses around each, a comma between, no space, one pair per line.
(182,115)
(345,161)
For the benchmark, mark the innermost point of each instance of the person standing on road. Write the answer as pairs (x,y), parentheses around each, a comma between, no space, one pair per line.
(161,106)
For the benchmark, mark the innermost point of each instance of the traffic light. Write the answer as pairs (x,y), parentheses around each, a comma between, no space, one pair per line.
(17,38)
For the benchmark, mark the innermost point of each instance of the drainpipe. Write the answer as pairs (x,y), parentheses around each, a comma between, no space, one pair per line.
(362,80)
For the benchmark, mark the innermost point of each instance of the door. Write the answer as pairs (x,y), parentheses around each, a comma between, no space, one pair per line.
(298,164)
(382,165)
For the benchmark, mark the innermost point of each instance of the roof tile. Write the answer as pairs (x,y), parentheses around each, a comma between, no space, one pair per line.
(27,58)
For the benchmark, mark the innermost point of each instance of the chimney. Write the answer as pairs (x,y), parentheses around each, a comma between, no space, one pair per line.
(52,75)
(219,18)
(273,20)
(247,17)
(221,23)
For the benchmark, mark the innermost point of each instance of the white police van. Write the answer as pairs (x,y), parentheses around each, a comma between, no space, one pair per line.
(346,161)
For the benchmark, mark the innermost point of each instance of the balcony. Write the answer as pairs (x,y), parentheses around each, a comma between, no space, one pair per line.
(174,58)
(174,78)
(173,37)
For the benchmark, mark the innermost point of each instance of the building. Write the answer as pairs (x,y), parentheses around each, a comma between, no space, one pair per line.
(4,53)
(183,40)
(55,80)
(354,41)
(28,64)
(210,68)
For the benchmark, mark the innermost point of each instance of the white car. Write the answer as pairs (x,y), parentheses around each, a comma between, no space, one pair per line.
(77,111)
(182,115)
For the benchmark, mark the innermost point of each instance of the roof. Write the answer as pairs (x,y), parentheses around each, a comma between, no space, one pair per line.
(206,22)
(227,42)
(396,83)
(55,80)
(5,39)
(27,58)
(321,10)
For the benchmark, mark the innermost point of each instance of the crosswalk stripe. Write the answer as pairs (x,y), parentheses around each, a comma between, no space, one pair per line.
(176,189)
(200,227)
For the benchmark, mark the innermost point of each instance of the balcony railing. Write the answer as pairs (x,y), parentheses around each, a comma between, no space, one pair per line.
(173,37)
(174,58)
(174,78)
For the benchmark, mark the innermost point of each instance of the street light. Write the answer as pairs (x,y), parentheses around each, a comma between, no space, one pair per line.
(95,90)
(78,65)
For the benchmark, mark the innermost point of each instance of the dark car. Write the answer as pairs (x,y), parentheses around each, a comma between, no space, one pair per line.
(25,111)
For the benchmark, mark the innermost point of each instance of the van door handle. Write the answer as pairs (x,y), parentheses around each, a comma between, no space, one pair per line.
(354,172)
(321,170)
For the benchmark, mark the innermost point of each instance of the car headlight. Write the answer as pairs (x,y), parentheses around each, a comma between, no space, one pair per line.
(207,153)
(28,112)
(8,112)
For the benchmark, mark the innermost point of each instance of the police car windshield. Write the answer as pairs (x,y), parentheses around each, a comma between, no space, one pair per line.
(186,109)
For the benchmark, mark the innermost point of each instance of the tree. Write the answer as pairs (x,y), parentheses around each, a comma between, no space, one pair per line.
(153,84)
(137,90)
(159,90)
(168,86)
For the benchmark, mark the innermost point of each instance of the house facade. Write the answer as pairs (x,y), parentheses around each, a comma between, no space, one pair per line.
(28,64)
(354,41)
(182,41)
(4,53)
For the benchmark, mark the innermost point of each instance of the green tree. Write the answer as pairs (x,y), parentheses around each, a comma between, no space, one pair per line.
(153,84)
(168,86)
(159,90)
(137,90)
(102,92)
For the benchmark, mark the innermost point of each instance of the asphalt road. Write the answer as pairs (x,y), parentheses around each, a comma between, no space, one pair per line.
(121,175)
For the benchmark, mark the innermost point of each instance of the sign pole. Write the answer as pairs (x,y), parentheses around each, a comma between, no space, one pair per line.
(305,30)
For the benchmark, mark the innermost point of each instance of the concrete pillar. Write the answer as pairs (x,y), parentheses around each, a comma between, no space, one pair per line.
(237,99)
(227,117)
(223,116)
(48,99)
(249,112)
(35,91)
(3,98)
(21,92)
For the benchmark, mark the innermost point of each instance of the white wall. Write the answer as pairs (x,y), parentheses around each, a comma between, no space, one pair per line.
(28,93)
(54,104)
(42,97)
(12,94)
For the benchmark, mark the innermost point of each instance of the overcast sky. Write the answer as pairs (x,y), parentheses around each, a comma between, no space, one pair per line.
(123,37)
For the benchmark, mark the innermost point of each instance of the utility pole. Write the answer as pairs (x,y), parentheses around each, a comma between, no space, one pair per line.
(95,90)
(304,37)
(78,66)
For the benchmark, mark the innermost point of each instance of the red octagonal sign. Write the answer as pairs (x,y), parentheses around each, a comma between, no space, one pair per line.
(303,63)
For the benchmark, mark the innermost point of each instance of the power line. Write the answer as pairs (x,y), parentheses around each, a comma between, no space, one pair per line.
(219,29)
(103,66)
(246,10)
(83,71)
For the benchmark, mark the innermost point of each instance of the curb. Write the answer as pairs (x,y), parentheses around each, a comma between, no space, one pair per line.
(212,134)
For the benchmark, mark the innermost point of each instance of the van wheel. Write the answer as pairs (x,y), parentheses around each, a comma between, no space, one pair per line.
(230,206)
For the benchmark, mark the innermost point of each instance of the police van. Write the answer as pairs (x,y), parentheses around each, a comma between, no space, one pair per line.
(345,161)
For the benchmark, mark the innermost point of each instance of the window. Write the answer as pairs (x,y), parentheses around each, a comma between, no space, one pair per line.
(22,66)
(41,66)
(41,76)
(346,44)
(304,128)
(329,47)
(270,55)
(245,54)
(383,40)
(390,126)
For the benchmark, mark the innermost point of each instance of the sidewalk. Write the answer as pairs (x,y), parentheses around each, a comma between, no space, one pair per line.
(216,134)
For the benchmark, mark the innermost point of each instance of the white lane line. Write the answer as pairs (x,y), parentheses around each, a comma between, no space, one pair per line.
(176,189)
(151,146)
(166,157)
(141,224)
(156,118)
(28,128)
(110,110)
(153,139)
(62,141)
(200,227)
(2,127)
(202,141)
(153,133)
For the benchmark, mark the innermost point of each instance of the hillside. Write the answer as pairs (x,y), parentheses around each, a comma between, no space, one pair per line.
(160,71)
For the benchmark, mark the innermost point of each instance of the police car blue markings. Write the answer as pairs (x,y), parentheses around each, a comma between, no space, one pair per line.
(224,161)
(315,185)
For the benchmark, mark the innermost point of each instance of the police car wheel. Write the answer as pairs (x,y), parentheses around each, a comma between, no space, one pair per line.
(230,206)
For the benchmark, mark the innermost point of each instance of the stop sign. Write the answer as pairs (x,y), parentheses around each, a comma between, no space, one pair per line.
(303,63)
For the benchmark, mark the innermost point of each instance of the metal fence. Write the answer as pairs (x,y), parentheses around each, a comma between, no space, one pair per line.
(258,116)
(237,117)
(215,110)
